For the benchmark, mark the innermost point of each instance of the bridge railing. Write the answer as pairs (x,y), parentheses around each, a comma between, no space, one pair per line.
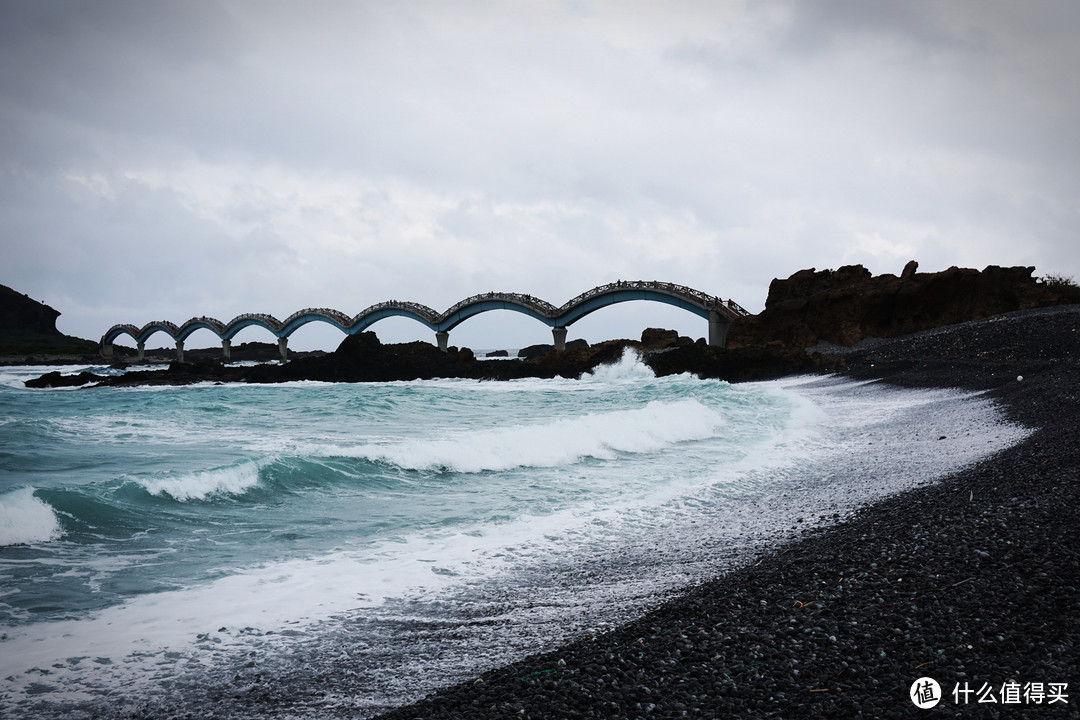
(330,313)
(415,308)
(541,306)
(262,318)
(737,308)
(204,320)
(704,299)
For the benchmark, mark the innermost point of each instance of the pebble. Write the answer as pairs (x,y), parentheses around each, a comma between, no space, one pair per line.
(869,637)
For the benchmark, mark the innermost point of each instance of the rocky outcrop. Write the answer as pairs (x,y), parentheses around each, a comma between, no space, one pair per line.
(739,364)
(29,327)
(534,351)
(20,315)
(846,305)
(658,339)
(364,357)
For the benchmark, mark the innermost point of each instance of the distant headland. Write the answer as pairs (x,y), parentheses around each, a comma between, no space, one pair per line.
(809,310)
(28,332)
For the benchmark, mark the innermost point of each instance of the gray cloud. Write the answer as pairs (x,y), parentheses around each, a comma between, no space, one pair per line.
(225,157)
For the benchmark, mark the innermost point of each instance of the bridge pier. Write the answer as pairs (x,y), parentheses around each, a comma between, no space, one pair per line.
(180,351)
(559,335)
(142,350)
(283,346)
(443,338)
(107,350)
(718,328)
(226,350)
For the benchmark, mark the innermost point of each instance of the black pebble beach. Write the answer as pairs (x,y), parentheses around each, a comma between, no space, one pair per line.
(974,581)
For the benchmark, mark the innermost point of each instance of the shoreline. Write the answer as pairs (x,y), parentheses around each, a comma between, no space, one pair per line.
(972,580)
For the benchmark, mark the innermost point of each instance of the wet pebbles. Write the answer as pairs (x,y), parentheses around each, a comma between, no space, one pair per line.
(974,582)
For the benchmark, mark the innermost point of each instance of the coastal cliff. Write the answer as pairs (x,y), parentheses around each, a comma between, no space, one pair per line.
(28,327)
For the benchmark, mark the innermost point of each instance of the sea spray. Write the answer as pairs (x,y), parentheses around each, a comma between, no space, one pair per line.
(26,519)
(628,368)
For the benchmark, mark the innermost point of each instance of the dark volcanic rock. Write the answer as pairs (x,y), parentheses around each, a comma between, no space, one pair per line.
(738,364)
(658,339)
(22,316)
(535,351)
(29,327)
(578,359)
(846,305)
(655,338)
(55,379)
(364,357)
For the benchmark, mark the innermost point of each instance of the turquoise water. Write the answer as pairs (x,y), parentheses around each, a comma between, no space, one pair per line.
(150,537)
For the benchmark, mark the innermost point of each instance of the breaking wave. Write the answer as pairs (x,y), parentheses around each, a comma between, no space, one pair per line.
(561,442)
(25,519)
(200,485)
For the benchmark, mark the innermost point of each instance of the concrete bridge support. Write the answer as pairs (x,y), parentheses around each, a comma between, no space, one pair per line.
(179,351)
(107,350)
(559,335)
(142,350)
(226,350)
(283,346)
(443,338)
(718,329)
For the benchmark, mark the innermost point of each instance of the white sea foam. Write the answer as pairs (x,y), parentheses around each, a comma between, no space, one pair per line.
(560,442)
(799,446)
(25,519)
(231,480)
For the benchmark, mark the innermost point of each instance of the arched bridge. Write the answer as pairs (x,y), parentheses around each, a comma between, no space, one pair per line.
(719,314)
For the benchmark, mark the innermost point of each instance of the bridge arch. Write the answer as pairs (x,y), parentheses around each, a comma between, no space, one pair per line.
(309,315)
(113,333)
(213,325)
(586,306)
(246,320)
(477,304)
(719,313)
(394,308)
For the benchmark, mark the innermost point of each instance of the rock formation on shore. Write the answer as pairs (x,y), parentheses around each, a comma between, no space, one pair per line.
(844,306)
(28,327)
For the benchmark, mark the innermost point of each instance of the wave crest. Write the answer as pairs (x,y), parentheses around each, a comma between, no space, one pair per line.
(25,519)
(561,442)
(231,480)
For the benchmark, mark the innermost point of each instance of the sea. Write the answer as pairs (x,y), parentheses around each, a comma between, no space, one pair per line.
(310,550)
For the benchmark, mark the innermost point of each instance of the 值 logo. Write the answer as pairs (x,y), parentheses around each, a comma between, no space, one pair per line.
(925,693)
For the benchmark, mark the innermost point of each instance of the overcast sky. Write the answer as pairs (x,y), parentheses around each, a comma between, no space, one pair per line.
(162,160)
